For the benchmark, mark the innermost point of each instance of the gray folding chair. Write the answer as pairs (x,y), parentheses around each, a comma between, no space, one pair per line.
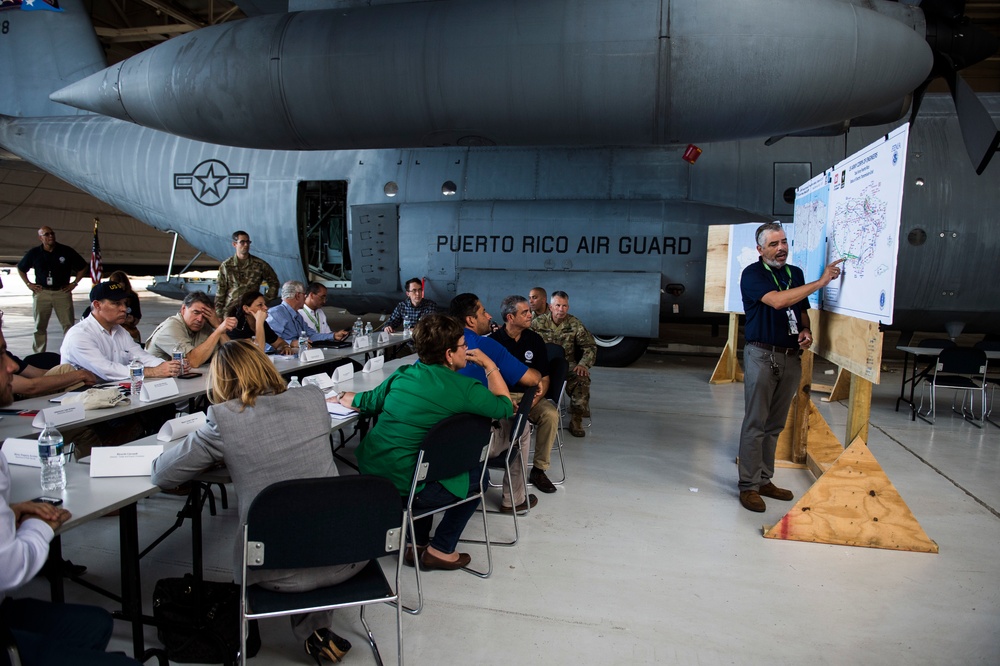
(307,523)
(960,369)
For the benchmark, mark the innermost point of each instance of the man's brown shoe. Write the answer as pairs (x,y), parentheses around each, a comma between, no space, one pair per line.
(575,427)
(750,499)
(774,492)
(529,503)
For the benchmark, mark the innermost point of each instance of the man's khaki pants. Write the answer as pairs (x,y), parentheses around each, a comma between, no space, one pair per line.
(44,302)
(500,443)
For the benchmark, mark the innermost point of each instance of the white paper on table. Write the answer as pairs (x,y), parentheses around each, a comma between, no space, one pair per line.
(123,460)
(362,341)
(345,371)
(181,426)
(337,411)
(320,379)
(374,364)
(58,416)
(383,336)
(21,452)
(311,355)
(157,389)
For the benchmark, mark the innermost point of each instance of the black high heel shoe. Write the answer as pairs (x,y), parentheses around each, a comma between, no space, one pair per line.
(324,644)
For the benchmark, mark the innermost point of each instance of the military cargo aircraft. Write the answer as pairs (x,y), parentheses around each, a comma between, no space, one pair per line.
(621,224)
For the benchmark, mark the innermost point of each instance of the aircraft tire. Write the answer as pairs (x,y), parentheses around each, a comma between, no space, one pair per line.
(619,351)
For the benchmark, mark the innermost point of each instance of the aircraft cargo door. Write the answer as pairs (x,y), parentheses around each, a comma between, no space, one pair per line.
(375,248)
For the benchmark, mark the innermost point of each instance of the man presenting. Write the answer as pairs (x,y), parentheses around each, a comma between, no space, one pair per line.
(286,320)
(777,329)
(470,312)
(196,329)
(46,633)
(413,308)
(565,330)
(100,344)
(528,347)
(54,265)
(241,273)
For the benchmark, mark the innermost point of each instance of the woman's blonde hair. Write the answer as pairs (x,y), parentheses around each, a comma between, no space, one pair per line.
(241,371)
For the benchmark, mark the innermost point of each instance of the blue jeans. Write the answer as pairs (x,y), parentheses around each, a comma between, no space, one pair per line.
(51,634)
(452,524)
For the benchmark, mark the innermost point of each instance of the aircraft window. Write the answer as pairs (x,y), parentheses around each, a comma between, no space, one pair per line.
(391,189)
(917,237)
(789,195)
(448,188)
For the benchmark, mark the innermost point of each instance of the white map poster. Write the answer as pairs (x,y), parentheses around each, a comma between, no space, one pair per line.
(742,253)
(812,205)
(865,202)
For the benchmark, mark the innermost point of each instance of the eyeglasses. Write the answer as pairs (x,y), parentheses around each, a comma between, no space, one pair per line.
(414,291)
(47,234)
(244,242)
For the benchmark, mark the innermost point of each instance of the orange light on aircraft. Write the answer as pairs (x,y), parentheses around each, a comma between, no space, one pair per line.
(691,153)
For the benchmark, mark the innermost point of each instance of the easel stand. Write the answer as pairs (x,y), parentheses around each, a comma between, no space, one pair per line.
(852,502)
(728,369)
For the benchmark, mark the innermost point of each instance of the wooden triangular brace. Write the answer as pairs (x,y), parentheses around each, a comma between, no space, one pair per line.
(727,370)
(854,504)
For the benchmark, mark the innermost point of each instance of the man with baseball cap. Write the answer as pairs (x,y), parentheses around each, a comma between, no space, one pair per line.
(101,345)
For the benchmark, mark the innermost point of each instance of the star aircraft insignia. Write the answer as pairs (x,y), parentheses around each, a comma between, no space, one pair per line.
(211,181)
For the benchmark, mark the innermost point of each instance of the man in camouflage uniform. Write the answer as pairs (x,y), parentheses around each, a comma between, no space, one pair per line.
(241,273)
(559,326)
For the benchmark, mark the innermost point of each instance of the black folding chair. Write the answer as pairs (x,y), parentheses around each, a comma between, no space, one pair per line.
(306,523)
(457,444)
(991,381)
(960,369)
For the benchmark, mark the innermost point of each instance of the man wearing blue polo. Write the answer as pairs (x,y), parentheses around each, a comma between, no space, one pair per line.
(777,330)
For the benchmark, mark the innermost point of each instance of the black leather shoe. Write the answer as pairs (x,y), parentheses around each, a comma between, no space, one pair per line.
(541,480)
(324,644)
(522,507)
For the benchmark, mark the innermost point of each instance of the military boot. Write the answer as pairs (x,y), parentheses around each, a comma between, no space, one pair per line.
(575,427)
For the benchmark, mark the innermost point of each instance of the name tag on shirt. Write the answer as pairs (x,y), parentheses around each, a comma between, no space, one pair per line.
(158,389)
(58,416)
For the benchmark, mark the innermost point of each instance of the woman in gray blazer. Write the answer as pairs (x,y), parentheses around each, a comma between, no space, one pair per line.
(263,433)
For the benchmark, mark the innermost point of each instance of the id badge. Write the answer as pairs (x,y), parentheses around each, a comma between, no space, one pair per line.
(793,326)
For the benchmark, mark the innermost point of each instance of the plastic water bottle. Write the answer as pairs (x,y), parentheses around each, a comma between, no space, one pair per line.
(303,345)
(50,451)
(178,355)
(136,374)
(359,328)
(294,383)
(407,325)
(369,329)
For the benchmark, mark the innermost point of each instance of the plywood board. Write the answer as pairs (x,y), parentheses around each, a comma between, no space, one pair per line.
(840,390)
(716,268)
(854,504)
(853,344)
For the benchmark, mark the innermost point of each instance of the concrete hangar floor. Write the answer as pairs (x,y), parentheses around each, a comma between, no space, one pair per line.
(645,556)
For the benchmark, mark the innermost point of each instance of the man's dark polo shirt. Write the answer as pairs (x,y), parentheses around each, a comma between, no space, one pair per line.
(529,349)
(764,323)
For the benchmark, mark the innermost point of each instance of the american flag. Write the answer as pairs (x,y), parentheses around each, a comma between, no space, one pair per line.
(96,267)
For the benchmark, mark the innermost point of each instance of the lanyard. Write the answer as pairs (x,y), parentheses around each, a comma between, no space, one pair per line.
(774,277)
(314,320)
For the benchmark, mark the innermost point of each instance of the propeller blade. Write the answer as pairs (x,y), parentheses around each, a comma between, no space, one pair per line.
(979,132)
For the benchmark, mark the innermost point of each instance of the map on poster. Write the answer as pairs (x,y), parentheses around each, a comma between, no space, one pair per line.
(852,212)
(742,253)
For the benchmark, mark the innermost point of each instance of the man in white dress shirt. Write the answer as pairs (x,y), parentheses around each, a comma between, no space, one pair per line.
(101,345)
(313,309)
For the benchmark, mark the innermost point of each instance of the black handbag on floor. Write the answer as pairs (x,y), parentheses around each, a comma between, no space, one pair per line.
(205,633)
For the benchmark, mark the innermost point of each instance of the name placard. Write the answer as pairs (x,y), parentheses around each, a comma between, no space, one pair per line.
(58,416)
(362,341)
(158,389)
(311,355)
(320,379)
(374,364)
(123,460)
(181,426)
(383,336)
(343,372)
(21,452)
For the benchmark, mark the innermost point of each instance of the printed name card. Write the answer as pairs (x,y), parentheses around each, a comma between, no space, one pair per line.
(157,389)
(21,452)
(58,416)
(311,355)
(383,336)
(362,341)
(343,372)
(181,426)
(123,460)
(374,364)
(320,379)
